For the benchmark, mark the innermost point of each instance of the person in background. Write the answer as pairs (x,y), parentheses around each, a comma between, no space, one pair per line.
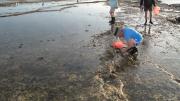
(113,5)
(148,6)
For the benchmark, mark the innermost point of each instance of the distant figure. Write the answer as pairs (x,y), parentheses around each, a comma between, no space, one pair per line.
(42,2)
(113,5)
(131,38)
(148,6)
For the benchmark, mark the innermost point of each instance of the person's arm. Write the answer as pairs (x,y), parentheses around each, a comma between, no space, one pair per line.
(154,2)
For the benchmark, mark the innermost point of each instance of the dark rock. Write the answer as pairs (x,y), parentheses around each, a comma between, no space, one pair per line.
(178,19)
(20,45)
(177,80)
(86,30)
(40,58)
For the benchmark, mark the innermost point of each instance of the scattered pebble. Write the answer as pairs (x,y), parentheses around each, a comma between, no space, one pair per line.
(20,45)
(40,58)
(86,30)
(94,45)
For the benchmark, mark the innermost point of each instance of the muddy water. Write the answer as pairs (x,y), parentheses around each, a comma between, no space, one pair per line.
(44,56)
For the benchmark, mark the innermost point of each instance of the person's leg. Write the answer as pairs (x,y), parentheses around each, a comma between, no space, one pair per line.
(130,43)
(150,13)
(150,17)
(111,13)
(131,49)
(112,16)
(145,18)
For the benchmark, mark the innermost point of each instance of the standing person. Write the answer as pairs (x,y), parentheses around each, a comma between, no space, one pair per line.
(148,6)
(113,5)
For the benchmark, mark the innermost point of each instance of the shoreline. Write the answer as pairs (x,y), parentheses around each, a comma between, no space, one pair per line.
(8,3)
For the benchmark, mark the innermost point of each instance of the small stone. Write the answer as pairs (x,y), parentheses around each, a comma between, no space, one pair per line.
(94,45)
(178,19)
(86,30)
(40,58)
(20,45)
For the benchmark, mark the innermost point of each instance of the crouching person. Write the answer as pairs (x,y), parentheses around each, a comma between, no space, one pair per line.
(130,37)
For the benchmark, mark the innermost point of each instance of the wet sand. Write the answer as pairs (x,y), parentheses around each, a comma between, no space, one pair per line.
(63,54)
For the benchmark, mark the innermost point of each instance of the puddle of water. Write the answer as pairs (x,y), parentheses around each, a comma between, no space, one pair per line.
(43,53)
(43,57)
(26,7)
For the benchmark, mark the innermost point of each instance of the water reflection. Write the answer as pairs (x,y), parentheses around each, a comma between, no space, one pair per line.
(112,28)
(45,56)
(149,29)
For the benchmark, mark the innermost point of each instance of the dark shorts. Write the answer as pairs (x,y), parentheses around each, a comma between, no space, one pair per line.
(147,8)
(132,50)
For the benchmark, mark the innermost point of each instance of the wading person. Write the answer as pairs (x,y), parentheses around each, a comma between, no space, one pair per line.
(113,5)
(148,6)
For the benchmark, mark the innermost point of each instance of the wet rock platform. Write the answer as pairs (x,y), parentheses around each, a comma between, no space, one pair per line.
(63,53)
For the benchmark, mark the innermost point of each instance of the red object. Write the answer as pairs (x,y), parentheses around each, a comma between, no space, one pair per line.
(156,10)
(118,44)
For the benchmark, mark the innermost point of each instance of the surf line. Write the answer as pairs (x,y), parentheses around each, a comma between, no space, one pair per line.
(173,79)
(42,9)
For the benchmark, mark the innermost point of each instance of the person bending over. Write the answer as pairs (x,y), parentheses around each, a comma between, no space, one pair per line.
(130,37)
